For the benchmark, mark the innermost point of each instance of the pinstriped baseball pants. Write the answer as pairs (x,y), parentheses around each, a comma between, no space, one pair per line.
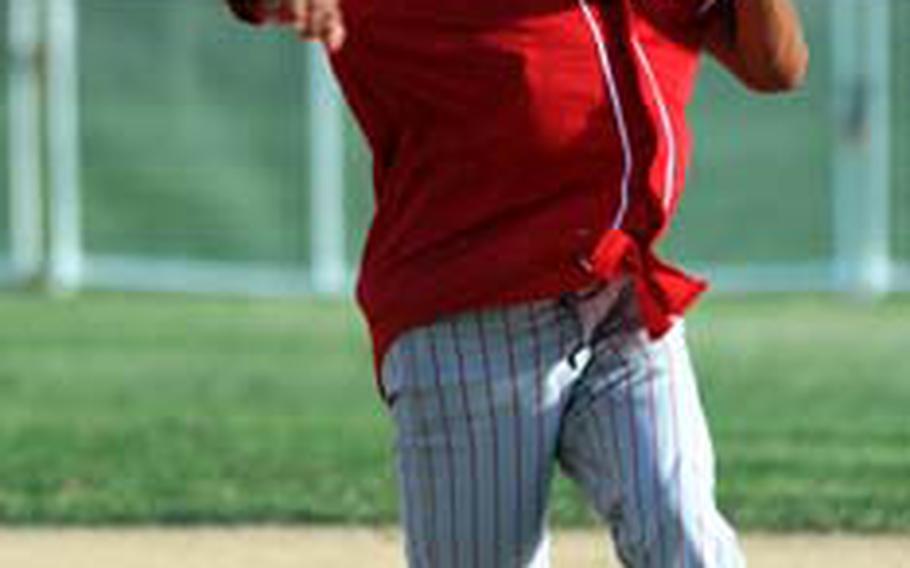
(487,403)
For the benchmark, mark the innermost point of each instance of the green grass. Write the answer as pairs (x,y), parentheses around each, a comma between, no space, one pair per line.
(137,409)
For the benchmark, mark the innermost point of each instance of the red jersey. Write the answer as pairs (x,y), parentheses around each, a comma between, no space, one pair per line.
(522,148)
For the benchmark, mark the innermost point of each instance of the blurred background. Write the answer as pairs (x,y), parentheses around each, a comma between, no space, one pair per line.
(182,208)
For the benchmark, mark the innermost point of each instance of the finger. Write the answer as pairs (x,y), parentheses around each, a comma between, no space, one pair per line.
(336,34)
(320,16)
(328,26)
(302,16)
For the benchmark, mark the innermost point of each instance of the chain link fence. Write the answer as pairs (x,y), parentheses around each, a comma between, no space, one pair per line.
(760,189)
(193,134)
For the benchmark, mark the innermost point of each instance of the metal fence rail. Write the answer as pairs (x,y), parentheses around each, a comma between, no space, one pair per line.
(5,165)
(23,237)
(900,139)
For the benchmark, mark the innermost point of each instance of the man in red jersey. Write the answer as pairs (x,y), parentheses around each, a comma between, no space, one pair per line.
(528,156)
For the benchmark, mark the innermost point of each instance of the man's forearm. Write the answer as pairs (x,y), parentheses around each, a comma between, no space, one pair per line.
(762,43)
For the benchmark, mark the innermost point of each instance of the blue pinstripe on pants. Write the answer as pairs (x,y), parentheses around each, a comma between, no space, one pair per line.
(487,403)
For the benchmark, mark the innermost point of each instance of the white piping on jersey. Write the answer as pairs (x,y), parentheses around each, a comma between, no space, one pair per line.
(604,59)
(666,123)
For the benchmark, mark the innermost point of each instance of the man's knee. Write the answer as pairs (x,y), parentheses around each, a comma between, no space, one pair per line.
(679,533)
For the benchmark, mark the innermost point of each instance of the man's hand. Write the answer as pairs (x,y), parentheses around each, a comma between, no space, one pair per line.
(312,19)
(316,20)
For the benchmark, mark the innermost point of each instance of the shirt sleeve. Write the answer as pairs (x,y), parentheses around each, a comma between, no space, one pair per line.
(713,12)
(679,12)
(687,19)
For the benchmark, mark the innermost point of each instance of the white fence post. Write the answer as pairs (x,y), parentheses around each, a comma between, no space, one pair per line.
(326,177)
(65,232)
(877,244)
(861,171)
(25,140)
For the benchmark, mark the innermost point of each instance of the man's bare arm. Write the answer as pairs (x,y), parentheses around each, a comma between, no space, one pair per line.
(762,43)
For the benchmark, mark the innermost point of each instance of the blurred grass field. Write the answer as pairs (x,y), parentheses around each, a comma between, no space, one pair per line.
(161,409)
(175,410)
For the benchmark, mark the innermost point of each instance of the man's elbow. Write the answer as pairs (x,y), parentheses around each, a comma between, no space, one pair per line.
(781,73)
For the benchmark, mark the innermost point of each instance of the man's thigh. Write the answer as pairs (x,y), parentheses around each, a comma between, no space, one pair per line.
(636,440)
(476,401)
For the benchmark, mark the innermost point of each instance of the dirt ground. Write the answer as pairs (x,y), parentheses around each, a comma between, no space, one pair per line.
(329,548)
